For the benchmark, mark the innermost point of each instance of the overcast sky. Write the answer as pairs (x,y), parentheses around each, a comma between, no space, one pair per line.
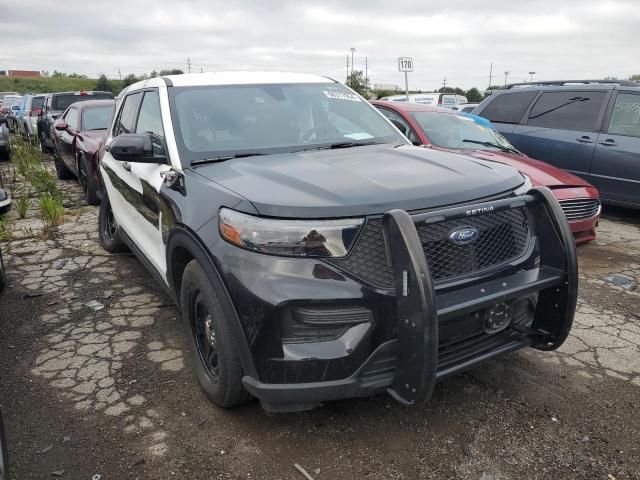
(456,39)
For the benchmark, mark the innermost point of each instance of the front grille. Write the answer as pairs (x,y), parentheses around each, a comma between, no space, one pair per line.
(580,209)
(504,236)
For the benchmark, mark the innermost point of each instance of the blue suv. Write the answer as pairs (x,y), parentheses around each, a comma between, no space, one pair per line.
(588,127)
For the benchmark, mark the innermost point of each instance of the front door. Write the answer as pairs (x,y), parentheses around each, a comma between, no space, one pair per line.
(616,162)
(561,129)
(134,188)
(64,139)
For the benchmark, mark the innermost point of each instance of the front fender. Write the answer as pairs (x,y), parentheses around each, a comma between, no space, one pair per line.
(182,238)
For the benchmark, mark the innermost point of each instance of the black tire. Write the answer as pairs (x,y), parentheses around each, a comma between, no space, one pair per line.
(87,182)
(108,229)
(219,370)
(61,169)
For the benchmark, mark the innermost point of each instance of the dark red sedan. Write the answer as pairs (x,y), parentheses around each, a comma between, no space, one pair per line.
(77,137)
(464,133)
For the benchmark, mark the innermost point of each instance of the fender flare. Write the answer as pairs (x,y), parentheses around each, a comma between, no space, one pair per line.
(182,237)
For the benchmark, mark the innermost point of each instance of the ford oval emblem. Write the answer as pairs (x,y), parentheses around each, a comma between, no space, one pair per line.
(465,235)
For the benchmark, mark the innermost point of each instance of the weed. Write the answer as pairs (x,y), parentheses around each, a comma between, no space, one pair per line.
(6,228)
(23,203)
(51,213)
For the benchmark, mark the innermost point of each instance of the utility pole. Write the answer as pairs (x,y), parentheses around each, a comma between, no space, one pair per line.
(531,74)
(347,79)
(119,74)
(490,74)
(506,74)
(366,74)
(189,65)
(444,82)
(352,52)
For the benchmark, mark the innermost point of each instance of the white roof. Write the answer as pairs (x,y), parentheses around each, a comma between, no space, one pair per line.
(231,78)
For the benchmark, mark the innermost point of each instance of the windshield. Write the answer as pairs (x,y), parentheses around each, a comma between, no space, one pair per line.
(221,120)
(97,118)
(61,102)
(458,131)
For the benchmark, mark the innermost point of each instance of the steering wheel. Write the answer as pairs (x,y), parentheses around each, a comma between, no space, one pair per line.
(317,131)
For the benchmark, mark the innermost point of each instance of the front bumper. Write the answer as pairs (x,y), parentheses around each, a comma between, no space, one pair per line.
(423,318)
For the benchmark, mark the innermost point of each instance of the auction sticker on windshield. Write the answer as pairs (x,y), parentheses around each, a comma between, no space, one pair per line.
(341,95)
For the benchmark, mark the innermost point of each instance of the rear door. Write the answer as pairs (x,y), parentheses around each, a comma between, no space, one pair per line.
(616,162)
(133,188)
(561,127)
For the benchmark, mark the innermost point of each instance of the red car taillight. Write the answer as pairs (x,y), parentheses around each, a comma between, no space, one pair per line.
(38,111)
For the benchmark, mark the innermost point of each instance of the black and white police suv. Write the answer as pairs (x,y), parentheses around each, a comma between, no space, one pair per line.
(314,253)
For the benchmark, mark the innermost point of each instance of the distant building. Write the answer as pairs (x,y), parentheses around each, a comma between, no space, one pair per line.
(20,73)
(386,86)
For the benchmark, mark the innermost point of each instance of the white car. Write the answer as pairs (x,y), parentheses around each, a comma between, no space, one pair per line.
(465,107)
(448,100)
(29,122)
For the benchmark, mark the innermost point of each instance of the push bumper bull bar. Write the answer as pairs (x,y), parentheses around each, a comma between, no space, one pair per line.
(408,366)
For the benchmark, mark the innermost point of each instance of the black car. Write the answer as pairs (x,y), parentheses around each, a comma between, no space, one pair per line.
(54,105)
(588,127)
(316,254)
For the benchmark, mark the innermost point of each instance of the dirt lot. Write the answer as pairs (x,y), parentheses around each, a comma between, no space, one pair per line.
(111,392)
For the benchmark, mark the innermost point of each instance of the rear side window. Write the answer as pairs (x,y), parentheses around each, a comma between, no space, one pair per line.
(625,117)
(567,110)
(61,102)
(508,107)
(37,103)
(127,116)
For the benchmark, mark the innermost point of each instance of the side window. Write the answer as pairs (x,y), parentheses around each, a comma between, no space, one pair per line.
(72,119)
(406,130)
(567,110)
(127,115)
(150,120)
(625,117)
(508,107)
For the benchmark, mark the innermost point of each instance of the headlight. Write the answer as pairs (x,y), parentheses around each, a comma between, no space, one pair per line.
(300,238)
(525,187)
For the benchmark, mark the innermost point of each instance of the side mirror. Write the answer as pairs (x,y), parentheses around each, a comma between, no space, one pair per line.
(399,126)
(134,147)
(60,125)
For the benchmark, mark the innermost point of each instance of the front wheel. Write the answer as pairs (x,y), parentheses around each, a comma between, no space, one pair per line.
(87,181)
(217,363)
(61,169)
(108,228)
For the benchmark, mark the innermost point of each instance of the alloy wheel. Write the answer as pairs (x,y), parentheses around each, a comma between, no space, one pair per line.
(205,336)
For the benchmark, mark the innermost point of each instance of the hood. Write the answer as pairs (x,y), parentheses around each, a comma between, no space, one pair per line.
(359,181)
(96,134)
(540,173)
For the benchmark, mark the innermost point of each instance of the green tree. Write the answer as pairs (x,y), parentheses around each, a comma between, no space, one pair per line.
(173,71)
(129,80)
(473,95)
(153,74)
(635,77)
(103,84)
(357,82)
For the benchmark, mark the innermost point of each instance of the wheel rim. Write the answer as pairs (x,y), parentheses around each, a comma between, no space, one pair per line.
(205,336)
(110,226)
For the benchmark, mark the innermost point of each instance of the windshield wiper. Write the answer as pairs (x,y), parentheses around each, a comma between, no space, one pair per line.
(494,145)
(224,158)
(333,146)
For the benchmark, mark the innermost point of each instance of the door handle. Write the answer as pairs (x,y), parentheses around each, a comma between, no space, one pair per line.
(126,166)
(585,139)
(609,142)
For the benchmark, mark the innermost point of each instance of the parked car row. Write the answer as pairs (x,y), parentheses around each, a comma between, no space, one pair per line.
(590,128)
(463,133)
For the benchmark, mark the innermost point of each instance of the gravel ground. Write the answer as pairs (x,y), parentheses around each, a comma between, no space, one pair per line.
(107,390)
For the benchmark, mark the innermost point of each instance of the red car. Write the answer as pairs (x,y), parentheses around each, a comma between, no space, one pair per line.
(464,133)
(77,137)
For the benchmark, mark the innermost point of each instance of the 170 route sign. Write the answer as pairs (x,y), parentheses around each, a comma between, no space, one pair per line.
(405,64)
